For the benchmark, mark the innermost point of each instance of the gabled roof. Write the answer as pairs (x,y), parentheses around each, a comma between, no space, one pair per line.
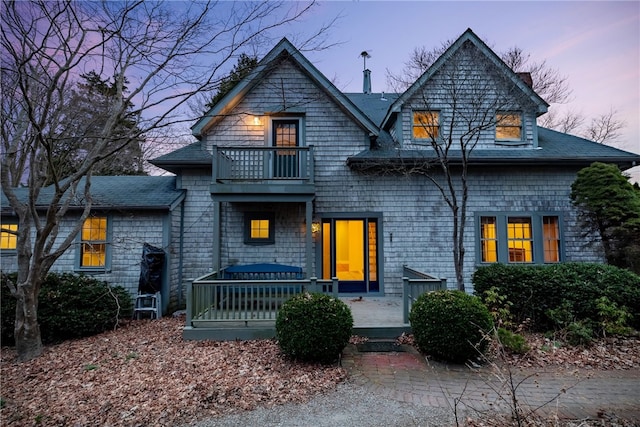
(283,49)
(192,155)
(555,148)
(117,192)
(467,36)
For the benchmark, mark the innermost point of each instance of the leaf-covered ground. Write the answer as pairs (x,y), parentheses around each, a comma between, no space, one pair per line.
(145,374)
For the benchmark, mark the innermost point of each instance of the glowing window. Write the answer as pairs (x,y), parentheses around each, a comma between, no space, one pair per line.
(508,126)
(8,240)
(519,239)
(259,228)
(489,239)
(551,238)
(426,124)
(93,242)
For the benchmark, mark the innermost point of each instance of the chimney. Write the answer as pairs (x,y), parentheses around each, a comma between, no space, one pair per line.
(366,83)
(526,78)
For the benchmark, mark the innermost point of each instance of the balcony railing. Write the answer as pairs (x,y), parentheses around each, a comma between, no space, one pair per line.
(260,164)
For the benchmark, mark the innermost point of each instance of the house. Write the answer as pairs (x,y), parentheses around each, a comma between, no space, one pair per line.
(288,170)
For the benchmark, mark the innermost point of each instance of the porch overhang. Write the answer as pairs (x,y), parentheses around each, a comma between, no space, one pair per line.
(262,192)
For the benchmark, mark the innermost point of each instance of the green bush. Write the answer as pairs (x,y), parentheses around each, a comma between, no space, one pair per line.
(69,306)
(513,342)
(314,327)
(534,290)
(450,325)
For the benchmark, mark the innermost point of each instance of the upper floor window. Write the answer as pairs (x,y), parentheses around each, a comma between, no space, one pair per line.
(426,124)
(93,243)
(8,238)
(527,238)
(259,228)
(509,126)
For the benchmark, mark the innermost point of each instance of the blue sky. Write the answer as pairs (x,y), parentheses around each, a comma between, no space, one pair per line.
(595,44)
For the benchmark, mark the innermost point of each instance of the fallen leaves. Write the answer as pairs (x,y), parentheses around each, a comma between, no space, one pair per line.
(145,374)
(605,354)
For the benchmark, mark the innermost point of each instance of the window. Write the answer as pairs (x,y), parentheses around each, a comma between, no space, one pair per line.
(509,126)
(530,238)
(488,239)
(551,238)
(426,124)
(519,239)
(8,240)
(259,229)
(93,243)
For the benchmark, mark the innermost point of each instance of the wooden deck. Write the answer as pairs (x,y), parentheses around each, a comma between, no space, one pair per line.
(376,317)
(244,308)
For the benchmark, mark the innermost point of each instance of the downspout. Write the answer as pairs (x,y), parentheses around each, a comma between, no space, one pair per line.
(181,255)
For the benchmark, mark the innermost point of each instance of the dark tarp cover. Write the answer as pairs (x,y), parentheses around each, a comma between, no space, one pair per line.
(151,270)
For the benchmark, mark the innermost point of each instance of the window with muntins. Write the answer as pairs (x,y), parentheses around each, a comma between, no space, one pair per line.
(259,229)
(508,127)
(8,240)
(93,243)
(426,124)
(519,238)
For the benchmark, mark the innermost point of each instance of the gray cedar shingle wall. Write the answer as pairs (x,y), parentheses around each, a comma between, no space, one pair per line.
(129,232)
(473,87)
(416,221)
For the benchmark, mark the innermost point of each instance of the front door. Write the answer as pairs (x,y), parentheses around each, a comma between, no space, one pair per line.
(350,253)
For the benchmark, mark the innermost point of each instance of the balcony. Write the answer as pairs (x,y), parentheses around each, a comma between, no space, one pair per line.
(263,174)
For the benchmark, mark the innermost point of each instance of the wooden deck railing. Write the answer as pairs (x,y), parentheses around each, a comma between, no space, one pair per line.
(414,284)
(213,300)
(263,163)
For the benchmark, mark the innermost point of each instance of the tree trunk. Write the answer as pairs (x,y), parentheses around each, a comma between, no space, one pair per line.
(27,329)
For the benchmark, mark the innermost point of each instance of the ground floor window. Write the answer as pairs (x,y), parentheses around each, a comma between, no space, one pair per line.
(8,237)
(259,228)
(93,249)
(519,238)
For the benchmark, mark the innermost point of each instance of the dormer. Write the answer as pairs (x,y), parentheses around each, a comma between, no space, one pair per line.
(468,89)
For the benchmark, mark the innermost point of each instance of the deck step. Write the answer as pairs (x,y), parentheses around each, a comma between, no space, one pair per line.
(380,345)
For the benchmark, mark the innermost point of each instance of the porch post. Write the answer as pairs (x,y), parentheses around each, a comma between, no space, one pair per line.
(309,237)
(216,236)
(405,299)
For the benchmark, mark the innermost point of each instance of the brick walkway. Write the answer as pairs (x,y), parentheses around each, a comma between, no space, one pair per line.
(406,376)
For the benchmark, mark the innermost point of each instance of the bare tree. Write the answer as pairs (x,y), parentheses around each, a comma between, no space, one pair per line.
(166,55)
(605,127)
(454,112)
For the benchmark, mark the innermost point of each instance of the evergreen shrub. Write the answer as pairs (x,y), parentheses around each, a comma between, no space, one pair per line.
(314,327)
(536,290)
(450,325)
(69,306)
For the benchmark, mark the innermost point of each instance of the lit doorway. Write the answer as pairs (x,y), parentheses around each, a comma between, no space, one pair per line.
(350,253)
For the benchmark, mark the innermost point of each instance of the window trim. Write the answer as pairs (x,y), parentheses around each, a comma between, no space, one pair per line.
(520,127)
(537,238)
(414,126)
(108,245)
(252,216)
(8,224)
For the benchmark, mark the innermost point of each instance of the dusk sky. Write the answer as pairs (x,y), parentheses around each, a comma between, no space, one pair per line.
(595,44)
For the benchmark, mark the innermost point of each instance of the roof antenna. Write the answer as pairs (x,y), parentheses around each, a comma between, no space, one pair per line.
(365,55)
